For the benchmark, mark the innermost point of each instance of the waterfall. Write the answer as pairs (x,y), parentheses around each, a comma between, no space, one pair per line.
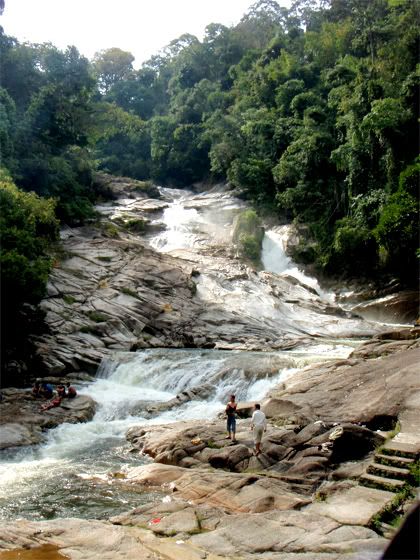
(70,474)
(275,259)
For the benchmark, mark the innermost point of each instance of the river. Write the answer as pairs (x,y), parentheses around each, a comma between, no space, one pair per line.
(75,471)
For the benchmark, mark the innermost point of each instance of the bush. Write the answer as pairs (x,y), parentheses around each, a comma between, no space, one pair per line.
(28,228)
(250,247)
(248,235)
(398,233)
(136,225)
(354,249)
(97,317)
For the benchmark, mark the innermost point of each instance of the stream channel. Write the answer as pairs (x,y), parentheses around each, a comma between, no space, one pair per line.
(72,474)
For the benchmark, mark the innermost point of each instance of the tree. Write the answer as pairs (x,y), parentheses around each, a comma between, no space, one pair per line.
(397,231)
(122,142)
(28,228)
(111,66)
(46,104)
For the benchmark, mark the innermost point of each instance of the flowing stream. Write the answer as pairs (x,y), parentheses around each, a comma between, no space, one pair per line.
(75,471)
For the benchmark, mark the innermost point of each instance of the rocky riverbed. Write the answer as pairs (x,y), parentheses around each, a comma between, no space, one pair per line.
(336,428)
(110,290)
(302,498)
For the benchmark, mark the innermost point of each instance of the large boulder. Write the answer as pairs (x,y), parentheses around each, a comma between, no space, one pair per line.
(23,423)
(368,391)
(231,492)
(400,307)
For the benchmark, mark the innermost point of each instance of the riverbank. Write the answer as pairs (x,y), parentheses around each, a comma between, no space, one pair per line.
(206,324)
(22,422)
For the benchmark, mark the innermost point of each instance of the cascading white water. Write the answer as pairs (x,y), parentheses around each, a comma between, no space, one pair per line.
(69,475)
(195,220)
(275,259)
(181,225)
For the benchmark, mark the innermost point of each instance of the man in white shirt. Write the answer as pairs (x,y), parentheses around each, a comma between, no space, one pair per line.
(259,424)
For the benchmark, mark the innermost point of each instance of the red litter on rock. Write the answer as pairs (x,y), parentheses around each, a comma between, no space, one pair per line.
(156,520)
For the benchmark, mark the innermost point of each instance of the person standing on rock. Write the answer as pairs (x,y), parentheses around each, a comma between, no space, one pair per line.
(259,424)
(231,418)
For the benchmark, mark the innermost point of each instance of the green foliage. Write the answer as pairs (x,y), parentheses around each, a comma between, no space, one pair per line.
(415,473)
(393,512)
(97,317)
(110,230)
(122,142)
(398,232)
(129,292)
(353,247)
(136,225)
(310,109)
(248,235)
(212,444)
(28,229)
(111,66)
(45,108)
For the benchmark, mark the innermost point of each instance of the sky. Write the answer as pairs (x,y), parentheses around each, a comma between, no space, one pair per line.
(142,27)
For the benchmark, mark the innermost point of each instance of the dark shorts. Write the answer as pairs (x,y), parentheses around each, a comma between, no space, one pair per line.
(231,423)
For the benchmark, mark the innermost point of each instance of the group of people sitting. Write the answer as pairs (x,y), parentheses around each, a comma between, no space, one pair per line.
(42,390)
(258,423)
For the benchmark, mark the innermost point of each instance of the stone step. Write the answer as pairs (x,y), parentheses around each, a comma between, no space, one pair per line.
(372,481)
(400,449)
(394,460)
(387,471)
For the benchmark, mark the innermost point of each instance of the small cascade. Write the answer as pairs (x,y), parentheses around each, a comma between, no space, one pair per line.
(275,259)
(71,473)
(181,227)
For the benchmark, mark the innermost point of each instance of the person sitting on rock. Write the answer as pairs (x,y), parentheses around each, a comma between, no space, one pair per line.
(52,404)
(231,418)
(61,391)
(259,424)
(71,391)
(36,390)
(46,390)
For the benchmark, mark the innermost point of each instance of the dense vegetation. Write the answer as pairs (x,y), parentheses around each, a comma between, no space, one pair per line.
(311,111)
(28,231)
(248,235)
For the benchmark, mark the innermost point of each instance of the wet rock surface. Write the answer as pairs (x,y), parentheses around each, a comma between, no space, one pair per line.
(23,423)
(296,501)
(369,387)
(110,290)
(400,307)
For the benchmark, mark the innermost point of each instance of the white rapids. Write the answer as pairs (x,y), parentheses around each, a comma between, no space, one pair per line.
(70,474)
